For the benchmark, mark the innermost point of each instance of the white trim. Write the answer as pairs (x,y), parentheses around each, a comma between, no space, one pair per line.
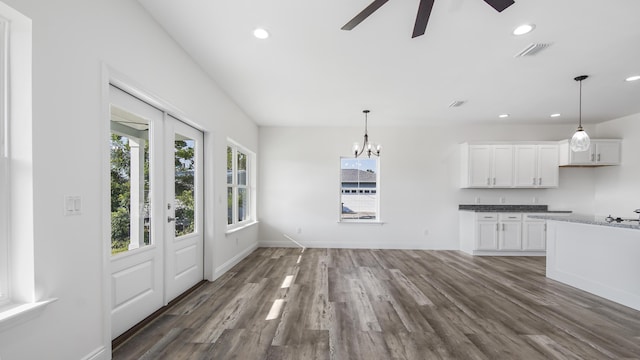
(349,245)
(220,270)
(241,227)
(20,313)
(99,353)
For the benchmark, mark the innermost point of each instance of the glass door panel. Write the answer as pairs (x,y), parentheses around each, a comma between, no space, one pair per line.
(130,181)
(184,160)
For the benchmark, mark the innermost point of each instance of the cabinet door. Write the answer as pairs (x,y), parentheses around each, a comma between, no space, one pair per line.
(534,236)
(525,171)
(502,166)
(510,235)
(582,157)
(548,169)
(480,157)
(607,152)
(487,235)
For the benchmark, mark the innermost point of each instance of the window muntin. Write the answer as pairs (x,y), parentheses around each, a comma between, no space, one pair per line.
(239,187)
(359,195)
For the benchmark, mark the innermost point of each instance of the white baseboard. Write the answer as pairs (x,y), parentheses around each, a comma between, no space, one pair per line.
(98,354)
(345,245)
(220,270)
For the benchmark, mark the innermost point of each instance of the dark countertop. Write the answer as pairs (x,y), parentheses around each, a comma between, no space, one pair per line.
(510,208)
(588,219)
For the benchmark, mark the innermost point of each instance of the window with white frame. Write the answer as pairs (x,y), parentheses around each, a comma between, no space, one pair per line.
(239,186)
(359,190)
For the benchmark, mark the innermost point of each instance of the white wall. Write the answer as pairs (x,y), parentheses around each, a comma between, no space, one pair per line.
(72,39)
(618,187)
(299,184)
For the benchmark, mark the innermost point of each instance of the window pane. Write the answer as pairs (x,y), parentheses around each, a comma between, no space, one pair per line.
(242,168)
(130,182)
(229,165)
(229,205)
(184,151)
(358,195)
(242,204)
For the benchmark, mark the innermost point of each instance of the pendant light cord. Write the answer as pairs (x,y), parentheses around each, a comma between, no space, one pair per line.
(580,110)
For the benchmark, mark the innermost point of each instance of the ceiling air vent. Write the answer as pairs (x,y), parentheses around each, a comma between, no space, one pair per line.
(457,103)
(532,49)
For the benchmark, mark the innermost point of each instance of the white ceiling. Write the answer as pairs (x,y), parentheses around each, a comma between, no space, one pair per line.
(311,73)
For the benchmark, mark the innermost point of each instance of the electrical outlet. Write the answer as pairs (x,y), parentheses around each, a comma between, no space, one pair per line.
(534,200)
(477,199)
(502,200)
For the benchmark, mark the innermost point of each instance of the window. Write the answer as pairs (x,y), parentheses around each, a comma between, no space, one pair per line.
(359,179)
(239,185)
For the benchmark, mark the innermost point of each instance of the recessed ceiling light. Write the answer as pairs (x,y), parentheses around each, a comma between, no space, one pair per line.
(523,29)
(633,78)
(502,116)
(554,115)
(261,33)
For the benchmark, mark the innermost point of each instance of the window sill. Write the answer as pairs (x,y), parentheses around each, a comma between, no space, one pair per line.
(15,314)
(243,226)
(361,222)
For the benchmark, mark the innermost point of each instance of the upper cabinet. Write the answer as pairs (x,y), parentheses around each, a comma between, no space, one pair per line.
(601,152)
(499,165)
(487,165)
(536,166)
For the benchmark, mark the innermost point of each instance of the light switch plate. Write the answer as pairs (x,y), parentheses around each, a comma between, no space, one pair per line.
(72,205)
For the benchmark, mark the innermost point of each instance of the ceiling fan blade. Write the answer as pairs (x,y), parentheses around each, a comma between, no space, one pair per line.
(499,5)
(424,11)
(375,5)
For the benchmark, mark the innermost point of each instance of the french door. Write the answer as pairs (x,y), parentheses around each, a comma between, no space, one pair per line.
(156,209)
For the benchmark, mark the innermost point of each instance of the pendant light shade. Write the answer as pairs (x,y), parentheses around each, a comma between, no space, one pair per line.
(580,140)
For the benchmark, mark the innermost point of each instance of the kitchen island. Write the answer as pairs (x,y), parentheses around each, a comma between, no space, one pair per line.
(596,256)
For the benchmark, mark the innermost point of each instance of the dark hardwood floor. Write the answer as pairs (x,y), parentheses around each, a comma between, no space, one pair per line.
(388,304)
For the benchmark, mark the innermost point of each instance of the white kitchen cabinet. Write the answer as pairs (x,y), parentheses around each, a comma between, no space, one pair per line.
(534,234)
(601,152)
(510,231)
(487,166)
(491,233)
(536,166)
(486,232)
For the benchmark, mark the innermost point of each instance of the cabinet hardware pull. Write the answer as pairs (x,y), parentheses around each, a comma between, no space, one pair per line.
(494,181)
(497,228)
(598,157)
(502,227)
(534,181)
(540,181)
(488,181)
(593,157)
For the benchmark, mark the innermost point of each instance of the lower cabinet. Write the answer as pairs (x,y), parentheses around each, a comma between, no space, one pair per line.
(501,234)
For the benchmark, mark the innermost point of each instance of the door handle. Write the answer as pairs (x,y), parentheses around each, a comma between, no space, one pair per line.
(170,219)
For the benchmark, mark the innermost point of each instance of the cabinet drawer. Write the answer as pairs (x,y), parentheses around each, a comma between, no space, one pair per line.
(510,217)
(487,216)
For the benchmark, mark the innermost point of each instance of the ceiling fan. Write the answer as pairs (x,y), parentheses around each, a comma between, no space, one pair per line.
(424,10)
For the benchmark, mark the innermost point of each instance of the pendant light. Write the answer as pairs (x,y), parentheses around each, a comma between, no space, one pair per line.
(580,140)
(366,146)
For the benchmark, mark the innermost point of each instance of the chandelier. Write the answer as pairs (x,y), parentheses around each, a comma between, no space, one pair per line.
(370,148)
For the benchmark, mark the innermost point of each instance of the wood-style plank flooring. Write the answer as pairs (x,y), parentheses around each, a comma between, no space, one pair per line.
(348,304)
